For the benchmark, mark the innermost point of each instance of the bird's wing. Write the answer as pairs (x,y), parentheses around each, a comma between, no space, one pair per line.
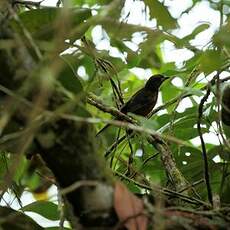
(138,101)
(126,107)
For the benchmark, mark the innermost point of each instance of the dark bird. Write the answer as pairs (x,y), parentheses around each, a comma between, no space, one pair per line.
(144,100)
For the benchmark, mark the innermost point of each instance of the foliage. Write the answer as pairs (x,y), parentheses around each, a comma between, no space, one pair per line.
(84,67)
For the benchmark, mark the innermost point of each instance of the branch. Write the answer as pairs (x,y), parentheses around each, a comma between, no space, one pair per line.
(93,100)
(173,173)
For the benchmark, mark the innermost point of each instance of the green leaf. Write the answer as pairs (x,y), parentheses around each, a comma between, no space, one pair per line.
(193,62)
(169,69)
(210,61)
(220,150)
(132,59)
(125,31)
(169,91)
(161,13)
(186,134)
(45,208)
(151,60)
(195,32)
(186,122)
(4,161)
(192,91)
(221,38)
(198,30)
(15,220)
(40,22)
(69,79)
(183,126)
(199,85)
(226,129)
(89,65)
(21,168)
(148,54)
(146,123)
(194,167)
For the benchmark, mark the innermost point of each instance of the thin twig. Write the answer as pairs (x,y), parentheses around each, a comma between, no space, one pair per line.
(76,185)
(192,185)
(26,33)
(204,153)
(149,158)
(114,145)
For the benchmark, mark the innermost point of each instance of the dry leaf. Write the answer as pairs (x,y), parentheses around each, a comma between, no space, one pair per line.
(129,208)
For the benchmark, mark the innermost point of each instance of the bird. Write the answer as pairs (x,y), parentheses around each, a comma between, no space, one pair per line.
(144,100)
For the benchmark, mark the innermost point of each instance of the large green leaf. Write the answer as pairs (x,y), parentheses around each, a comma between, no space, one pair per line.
(187,134)
(191,36)
(41,22)
(226,129)
(161,13)
(222,151)
(193,62)
(211,60)
(68,77)
(193,169)
(21,168)
(125,30)
(169,91)
(45,208)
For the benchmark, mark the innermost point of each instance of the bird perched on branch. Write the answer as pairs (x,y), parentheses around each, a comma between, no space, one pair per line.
(144,100)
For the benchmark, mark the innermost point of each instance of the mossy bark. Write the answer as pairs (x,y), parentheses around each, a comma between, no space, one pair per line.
(68,148)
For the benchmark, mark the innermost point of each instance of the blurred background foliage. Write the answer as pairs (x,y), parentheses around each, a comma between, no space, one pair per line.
(114,48)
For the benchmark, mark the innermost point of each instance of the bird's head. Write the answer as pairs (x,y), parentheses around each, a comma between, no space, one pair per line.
(155,81)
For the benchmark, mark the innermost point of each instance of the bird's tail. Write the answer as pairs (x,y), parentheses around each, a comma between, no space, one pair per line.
(101,130)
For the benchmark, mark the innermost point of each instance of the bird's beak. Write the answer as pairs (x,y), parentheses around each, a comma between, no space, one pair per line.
(165,78)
